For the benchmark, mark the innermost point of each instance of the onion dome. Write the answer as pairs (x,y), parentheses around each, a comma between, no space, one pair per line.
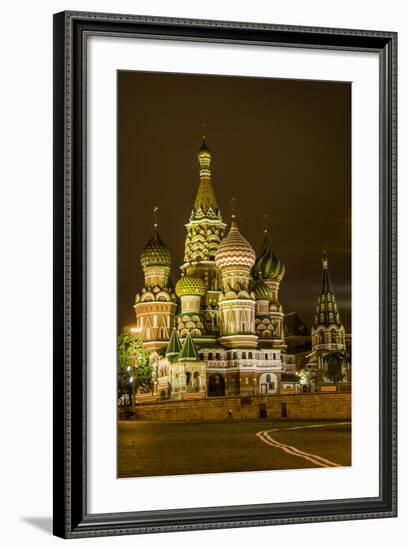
(155,252)
(267,265)
(189,285)
(261,290)
(234,250)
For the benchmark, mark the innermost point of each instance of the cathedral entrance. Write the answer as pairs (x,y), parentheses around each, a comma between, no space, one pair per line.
(268,383)
(216,385)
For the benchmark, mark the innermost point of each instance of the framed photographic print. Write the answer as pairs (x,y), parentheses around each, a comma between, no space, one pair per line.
(224,274)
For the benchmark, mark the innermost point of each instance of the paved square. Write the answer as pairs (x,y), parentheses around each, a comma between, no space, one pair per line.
(168,448)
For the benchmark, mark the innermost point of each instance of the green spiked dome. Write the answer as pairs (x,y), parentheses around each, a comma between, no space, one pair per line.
(267,265)
(190,286)
(261,290)
(155,252)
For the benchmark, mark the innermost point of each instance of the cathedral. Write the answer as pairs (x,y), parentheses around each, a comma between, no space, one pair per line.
(220,329)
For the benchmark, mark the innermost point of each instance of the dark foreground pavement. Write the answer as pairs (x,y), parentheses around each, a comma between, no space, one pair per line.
(161,448)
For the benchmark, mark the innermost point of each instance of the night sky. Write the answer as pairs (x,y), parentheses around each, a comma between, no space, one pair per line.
(280,147)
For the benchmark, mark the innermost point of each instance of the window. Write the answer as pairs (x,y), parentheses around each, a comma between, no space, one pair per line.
(210,356)
(217,356)
(274,356)
(266,356)
(250,355)
(244,355)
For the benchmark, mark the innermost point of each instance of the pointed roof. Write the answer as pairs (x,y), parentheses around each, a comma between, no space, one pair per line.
(294,326)
(326,311)
(205,198)
(326,280)
(174,345)
(188,352)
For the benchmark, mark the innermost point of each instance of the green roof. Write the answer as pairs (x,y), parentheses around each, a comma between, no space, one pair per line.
(267,265)
(188,352)
(174,345)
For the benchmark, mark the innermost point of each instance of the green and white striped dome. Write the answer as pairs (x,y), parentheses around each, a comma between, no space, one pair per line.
(267,265)
(261,290)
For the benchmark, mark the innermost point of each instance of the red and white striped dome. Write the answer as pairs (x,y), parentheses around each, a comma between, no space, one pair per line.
(234,250)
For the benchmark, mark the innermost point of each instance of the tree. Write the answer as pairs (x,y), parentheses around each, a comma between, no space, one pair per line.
(308,376)
(134,369)
(334,369)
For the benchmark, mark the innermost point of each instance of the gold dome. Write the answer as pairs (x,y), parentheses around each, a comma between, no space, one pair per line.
(190,286)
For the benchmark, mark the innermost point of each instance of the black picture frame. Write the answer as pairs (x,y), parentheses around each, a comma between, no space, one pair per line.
(71,518)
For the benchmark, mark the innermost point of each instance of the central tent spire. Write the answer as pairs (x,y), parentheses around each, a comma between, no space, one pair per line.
(205,198)
(205,228)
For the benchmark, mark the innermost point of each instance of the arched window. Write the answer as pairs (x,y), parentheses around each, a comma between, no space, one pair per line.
(217,356)
(268,378)
(250,355)
(201,356)
(229,356)
(266,356)
(210,356)
(274,356)
(234,355)
(244,355)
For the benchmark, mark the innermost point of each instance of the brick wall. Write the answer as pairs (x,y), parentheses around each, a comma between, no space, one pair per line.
(295,406)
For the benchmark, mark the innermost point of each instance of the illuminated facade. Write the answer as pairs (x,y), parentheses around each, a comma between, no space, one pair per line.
(328,333)
(220,329)
(156,304)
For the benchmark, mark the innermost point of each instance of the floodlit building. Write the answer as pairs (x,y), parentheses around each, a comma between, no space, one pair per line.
(328,333)
(220,329)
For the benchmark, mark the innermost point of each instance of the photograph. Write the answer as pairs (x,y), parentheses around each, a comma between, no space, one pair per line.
(234,249)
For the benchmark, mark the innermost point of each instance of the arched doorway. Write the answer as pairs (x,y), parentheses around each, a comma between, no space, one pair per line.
(216,385)
(268,383)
